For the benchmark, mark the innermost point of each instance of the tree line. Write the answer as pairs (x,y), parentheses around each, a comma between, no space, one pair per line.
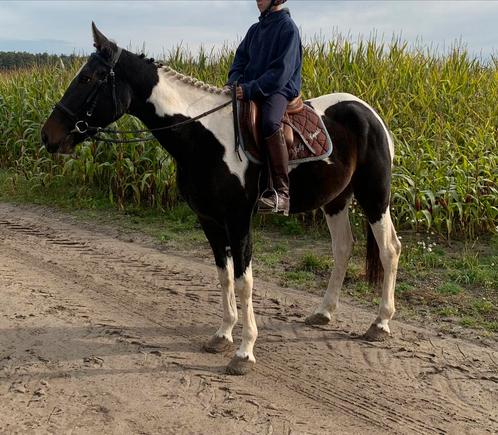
(10,60)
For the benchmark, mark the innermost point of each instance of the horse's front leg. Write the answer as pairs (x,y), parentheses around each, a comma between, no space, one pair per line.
(216,234)
(241,245)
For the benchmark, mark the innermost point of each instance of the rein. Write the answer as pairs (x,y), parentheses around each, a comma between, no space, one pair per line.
(90,129)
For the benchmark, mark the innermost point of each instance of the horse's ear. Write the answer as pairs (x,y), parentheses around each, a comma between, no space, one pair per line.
(99,40)
(101,43)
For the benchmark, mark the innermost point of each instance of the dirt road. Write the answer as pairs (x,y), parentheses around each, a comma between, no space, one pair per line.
(102,334)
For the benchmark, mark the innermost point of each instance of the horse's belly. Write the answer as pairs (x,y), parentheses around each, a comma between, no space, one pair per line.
(315,184)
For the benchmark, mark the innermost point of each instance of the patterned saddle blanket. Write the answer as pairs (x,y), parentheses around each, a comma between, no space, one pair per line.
(305,134)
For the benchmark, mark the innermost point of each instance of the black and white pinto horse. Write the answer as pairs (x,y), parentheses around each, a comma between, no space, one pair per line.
(222,188)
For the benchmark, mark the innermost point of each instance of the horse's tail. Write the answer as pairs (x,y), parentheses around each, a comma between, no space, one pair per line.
(374,269)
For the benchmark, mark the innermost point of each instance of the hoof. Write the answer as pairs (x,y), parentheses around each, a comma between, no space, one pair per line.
(317,319)
(239,366)
(217,345)
(375,333)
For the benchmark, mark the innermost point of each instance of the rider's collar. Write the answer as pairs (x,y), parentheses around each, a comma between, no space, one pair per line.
(266,15)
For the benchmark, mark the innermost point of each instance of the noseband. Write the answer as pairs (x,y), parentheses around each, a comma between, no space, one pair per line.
(80,121)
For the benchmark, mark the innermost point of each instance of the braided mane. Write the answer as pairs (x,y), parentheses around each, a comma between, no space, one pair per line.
(192,81)
(189,80)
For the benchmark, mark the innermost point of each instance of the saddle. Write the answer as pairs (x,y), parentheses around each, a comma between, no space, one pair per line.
(305,134)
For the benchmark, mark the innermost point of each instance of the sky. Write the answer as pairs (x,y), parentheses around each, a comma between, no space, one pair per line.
(159,26)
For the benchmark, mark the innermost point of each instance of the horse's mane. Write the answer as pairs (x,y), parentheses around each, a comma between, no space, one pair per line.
(192,81)
(189,80)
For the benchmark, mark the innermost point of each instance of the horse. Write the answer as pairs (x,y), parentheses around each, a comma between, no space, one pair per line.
(222,185)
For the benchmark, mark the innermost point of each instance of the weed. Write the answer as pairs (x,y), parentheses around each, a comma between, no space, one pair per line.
(313,263)
(291,227)
(298,278)
(403,287)
(448,311)
(491,326)
(468,321)
(483,307)
(362,288)
(272,255)
(449,288)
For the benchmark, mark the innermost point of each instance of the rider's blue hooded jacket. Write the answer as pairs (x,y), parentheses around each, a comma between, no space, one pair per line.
(269,59)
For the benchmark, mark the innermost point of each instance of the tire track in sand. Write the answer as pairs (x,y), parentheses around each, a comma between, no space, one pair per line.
(142,266)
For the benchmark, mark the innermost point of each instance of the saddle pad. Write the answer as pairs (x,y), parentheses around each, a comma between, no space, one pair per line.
(314,140)
(307,138)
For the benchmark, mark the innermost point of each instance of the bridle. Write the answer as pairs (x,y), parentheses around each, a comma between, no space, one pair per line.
(81,125)
(81,121)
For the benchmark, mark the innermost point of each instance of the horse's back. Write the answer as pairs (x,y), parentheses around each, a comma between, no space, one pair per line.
(324,102)
(325,105)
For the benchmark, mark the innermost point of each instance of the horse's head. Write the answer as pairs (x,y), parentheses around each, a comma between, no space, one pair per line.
(96,97)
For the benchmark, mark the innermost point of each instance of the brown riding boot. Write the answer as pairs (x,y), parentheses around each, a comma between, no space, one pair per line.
(278,201)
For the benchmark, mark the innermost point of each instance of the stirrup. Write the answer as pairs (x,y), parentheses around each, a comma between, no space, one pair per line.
(265,195)
(274,199)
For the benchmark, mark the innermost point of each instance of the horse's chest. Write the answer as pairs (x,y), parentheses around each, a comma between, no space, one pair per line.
(196,189)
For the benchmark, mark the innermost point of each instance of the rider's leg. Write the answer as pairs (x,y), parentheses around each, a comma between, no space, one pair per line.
(272,111)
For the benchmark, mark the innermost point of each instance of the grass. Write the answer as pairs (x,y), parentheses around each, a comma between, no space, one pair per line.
(311,262)
(448,312)
(297,278)
(449,288)
(60,193)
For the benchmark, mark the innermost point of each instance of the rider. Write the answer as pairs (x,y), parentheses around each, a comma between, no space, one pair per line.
(267,66)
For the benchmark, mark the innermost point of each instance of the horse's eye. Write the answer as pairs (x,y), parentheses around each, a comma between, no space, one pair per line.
(85,79)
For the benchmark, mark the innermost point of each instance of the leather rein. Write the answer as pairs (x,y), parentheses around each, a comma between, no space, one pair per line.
(81,125)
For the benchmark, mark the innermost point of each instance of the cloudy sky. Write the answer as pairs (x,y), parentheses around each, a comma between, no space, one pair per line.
(64,26)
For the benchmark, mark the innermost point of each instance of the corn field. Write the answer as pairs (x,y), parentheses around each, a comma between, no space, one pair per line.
(441,110)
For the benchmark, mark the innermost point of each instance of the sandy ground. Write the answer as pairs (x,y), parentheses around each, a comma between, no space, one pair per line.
(101,333)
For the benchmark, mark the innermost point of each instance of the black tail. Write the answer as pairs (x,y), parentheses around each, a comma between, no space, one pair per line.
(374,269)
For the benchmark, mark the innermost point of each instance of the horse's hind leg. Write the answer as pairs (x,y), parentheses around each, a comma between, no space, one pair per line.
(337,216)
(216,234)
(389,252)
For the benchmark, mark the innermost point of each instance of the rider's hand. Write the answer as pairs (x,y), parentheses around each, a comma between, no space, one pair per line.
(240,93)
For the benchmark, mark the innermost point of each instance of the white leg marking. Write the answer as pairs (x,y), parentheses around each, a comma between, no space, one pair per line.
(342,245)
(389,251)
(229,304)
(243,287)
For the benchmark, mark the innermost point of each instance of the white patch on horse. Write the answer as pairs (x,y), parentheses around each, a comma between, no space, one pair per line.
(243,288)
(320,104)
(172,96)
(229,304)
(389,252)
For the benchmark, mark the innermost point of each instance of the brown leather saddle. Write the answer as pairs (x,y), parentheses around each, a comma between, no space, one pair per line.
(305,134)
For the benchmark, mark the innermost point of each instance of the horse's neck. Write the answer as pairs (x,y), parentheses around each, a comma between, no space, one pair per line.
(174,98)
(176,94)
